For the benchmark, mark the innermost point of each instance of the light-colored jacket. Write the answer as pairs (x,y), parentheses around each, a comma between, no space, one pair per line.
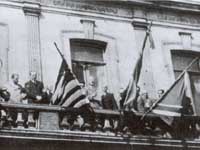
(15,92)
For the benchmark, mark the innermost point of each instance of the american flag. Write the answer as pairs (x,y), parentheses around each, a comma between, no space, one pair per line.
(67,90)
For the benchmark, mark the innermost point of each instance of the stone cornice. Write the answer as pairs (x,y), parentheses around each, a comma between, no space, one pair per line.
(181,5)
(140,24)
(161,12)
(32,8)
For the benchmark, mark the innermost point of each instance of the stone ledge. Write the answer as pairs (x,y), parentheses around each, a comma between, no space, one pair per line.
(72,136)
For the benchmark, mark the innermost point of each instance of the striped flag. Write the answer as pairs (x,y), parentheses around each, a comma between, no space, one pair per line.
(67,91)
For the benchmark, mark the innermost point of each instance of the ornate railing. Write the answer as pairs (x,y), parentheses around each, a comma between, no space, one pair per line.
(115,123)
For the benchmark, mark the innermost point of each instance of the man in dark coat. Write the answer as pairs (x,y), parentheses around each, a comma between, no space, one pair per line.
(34,89)
(4,94)
(108,100)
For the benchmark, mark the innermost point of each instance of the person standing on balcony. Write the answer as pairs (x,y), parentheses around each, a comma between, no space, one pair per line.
(17,94)
(34,89)
(144,102)
(141,102)
(4,94)
(108,100)
(91,92)
(35,92)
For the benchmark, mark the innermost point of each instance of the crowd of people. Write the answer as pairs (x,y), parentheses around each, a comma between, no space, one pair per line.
(34,92)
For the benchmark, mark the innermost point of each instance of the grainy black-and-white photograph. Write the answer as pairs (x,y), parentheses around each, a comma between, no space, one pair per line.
(99,74)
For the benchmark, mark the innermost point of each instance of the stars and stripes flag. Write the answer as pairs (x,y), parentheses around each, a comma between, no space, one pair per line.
(67,90)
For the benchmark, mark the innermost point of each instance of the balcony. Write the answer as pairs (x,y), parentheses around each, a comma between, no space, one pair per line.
(57,127)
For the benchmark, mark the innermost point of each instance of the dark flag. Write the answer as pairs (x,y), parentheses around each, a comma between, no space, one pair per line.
(132,86)
(67,91)
(131,90)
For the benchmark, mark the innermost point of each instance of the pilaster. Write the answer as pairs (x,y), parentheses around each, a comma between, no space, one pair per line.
(32,13)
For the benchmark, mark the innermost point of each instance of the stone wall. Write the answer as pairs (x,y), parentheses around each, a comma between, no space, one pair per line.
(58,21)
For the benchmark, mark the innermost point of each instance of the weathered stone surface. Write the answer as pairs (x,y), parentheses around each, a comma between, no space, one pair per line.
(48,121)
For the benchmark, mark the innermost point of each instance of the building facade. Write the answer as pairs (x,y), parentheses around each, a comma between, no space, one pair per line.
(111,36)
(100,40)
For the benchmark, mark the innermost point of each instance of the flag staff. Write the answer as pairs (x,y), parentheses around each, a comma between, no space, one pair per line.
(147,34)
(62,56)
(179,77)
(136,73)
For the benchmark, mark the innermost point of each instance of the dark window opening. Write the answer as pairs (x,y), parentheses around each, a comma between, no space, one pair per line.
(87,60)
(181,59)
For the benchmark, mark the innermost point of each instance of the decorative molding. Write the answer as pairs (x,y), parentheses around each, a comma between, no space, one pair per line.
(185,33)
(32,9)
(186,39)
(140,24)
(88,27)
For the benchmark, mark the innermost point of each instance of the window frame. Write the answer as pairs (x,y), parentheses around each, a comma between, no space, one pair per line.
(93,43)
(184,53)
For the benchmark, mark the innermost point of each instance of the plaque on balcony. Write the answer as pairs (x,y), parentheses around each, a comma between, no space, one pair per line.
(48,121)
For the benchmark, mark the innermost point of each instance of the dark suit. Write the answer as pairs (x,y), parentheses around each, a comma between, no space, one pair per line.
(34,89)
(4,95)
(108,101)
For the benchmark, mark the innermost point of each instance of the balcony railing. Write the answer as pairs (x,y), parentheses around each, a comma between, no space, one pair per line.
(115,123)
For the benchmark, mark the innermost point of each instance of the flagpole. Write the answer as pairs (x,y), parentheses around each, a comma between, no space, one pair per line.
(62,56)
(141,55)
(147,34)
(179,77)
